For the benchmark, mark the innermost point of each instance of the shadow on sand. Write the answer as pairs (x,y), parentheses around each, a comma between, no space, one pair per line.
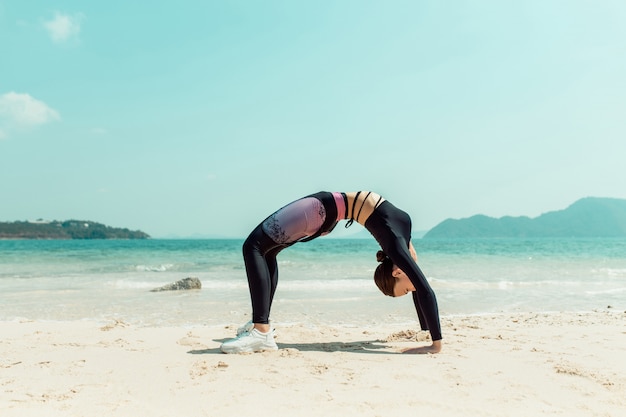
(365,346)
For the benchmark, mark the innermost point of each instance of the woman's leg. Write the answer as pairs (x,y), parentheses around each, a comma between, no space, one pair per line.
(282,229)
(259,254)
(299,219)
(273,270)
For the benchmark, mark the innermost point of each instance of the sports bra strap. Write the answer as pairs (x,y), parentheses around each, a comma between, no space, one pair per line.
(362,204)
(368,210)
(349,222)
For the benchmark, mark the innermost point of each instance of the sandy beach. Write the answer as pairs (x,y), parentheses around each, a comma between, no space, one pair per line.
(570,364)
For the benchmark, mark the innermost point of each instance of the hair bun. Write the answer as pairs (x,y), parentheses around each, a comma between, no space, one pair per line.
(381,256)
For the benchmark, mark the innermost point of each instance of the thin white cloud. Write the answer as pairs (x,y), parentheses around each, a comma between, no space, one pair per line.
(24,110)
(19,111)
(64,27)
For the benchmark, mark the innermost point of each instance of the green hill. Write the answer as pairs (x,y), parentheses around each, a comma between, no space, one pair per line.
(588,217)
(69,229)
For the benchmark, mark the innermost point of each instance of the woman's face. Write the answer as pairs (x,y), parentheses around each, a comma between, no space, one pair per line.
(403,284)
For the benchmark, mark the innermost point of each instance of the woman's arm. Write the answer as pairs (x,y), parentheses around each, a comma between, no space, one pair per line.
(436,345)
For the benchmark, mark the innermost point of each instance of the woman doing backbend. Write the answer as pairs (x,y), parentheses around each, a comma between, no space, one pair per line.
(316,215)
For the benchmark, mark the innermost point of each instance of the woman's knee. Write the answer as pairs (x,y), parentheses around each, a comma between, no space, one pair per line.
(253,241)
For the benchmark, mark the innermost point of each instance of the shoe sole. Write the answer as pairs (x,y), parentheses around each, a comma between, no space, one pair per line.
(240,350)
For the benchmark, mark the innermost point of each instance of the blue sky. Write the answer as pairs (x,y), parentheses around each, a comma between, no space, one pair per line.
(186,117)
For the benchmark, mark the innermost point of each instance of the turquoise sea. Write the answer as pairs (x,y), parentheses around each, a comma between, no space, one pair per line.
(326,281)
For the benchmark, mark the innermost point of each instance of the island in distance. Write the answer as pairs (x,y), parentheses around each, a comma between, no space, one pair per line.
(587,217)
(68,229)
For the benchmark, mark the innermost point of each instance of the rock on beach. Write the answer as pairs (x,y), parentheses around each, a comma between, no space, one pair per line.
(190,283)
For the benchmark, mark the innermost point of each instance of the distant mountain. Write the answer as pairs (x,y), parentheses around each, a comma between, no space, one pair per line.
(587,217)
(69,229)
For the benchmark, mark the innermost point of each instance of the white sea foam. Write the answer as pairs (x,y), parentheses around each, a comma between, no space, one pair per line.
(612,291)
(154,268)
(330,284)
(137,285)
(611,272)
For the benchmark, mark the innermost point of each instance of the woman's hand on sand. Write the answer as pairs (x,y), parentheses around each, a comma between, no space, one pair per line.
(423,350)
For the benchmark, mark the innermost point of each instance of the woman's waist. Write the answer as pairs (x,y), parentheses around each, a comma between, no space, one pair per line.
(360,205)
(357,206)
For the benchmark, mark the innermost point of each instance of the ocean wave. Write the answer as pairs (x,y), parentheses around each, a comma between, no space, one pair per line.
(294,285)
(607,291)
(326,284)
(152,268)
(501,284)
(224,284)
(366,284)
(611,272)
(136,285)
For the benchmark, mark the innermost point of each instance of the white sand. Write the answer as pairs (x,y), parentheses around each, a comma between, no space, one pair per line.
(565,364)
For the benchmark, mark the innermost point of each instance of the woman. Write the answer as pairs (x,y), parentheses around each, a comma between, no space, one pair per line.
(317,215)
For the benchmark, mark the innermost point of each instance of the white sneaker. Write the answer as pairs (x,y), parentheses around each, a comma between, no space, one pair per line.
(247,328)
(253,341)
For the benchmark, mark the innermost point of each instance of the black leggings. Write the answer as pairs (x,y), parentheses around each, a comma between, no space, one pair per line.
(391,227)
(259,255)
